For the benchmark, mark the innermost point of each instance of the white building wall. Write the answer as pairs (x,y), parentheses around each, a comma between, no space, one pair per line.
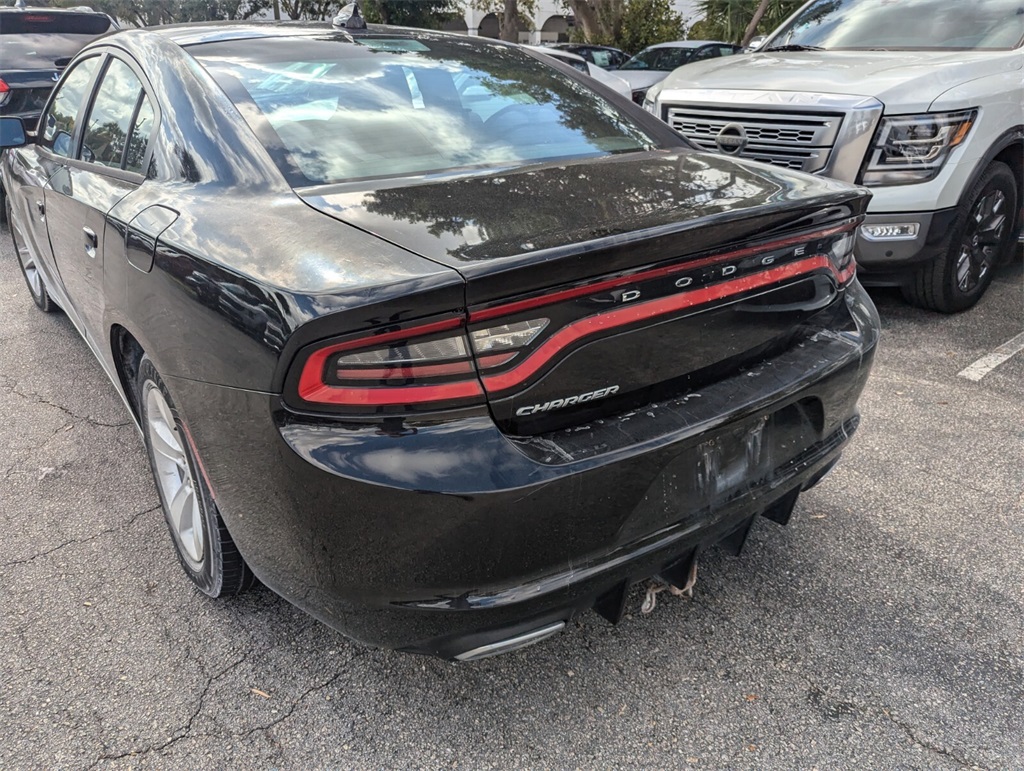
(546,9)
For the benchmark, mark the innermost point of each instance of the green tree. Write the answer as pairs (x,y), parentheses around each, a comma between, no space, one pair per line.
(144,13)
(510,15)
(428,14)
(734,20)
(647,22)
(597,21)
(313,10)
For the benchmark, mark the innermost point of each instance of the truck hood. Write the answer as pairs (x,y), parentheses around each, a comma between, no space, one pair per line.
(904,81)
(614,82)
(638,79)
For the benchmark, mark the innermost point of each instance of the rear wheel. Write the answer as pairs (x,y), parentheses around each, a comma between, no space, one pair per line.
(29,268)
(982,238)
(204,546)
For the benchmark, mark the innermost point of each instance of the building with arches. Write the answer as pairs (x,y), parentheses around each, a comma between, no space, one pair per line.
(550,24)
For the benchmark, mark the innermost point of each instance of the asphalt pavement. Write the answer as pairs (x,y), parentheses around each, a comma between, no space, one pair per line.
(883,628)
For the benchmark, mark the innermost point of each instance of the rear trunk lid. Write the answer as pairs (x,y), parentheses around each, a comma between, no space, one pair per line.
(595,286)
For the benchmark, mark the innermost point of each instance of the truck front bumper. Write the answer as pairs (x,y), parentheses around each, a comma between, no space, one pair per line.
(890,261)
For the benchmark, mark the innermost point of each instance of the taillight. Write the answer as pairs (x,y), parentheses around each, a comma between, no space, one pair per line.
(5,92)
(840,255)
(511,344)
(420,368)
(505,337)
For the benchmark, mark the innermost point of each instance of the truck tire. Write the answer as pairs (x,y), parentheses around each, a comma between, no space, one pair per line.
(982,238)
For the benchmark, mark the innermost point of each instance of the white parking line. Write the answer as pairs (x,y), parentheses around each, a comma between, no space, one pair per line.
(986,364)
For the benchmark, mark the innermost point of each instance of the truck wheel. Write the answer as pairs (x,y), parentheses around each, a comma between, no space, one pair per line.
(204,546)
(982,238)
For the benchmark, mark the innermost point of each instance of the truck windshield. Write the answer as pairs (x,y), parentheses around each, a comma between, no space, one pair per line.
(941,25)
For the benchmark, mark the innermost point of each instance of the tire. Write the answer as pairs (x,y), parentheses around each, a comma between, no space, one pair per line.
(982,238)
(204,546)
(30,270)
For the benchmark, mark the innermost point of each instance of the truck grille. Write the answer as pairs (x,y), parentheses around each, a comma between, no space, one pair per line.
(801,141)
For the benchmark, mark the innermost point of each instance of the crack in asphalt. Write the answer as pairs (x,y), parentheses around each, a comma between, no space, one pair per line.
(76,541)
(38,399)
(296,702)
(834,708)
(186,732)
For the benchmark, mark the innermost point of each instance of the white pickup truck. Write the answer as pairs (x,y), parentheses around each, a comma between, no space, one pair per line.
(922,101)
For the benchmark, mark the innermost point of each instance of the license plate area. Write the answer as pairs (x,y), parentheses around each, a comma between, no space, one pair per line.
(735,462)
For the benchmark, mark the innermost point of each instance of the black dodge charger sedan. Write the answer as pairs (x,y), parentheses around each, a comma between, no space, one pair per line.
(441,342)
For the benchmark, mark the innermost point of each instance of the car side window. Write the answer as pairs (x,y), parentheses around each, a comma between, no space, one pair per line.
(106,131)
(706,53)
(726,50)
(58,124)
(601,58)
(138,138)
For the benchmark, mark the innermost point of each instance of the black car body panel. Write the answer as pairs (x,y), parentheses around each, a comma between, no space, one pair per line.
(440,529)
(451,535)
(674,195)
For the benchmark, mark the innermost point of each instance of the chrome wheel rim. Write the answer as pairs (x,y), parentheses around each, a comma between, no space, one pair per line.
(28,265)
(174,476)
(983,236)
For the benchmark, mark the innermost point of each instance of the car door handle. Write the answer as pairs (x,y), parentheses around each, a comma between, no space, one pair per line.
(42,208)
(90,242)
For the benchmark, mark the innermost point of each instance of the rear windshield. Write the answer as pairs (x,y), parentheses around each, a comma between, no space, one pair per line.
(906,25)
(330,109)
(30,40)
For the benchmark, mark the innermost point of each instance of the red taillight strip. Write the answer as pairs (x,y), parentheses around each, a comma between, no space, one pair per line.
(601,286)
(406,371)
(390,395)
(311,383)
(846,275)
(590,325)
(495,359)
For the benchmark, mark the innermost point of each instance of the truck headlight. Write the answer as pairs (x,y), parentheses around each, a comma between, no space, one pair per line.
(913,148)
(649,100)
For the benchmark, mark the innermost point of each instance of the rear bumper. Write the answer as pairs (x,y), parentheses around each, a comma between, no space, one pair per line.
(450,537)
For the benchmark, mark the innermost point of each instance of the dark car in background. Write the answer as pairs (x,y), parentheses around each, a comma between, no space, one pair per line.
(35,46)
(605,57)
(443,373)
(654,63)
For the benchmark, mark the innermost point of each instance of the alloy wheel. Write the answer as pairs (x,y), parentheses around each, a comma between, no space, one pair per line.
(28,264)
(174,477)
(983,236)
